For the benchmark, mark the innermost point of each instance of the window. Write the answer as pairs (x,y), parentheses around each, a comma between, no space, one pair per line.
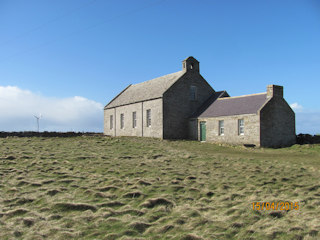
(193,93)
(221,127)
(111,121)
(240,126)
(134,119)
(121,120)
(149,118)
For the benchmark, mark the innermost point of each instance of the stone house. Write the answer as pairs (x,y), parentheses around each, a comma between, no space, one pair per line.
(183,105)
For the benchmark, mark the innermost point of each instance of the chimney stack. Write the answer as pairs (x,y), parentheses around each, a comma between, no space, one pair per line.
(274,91)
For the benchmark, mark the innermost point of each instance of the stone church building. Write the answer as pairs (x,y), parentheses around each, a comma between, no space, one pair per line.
(183,105)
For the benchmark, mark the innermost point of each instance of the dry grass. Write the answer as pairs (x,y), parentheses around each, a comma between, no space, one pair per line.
(135,188)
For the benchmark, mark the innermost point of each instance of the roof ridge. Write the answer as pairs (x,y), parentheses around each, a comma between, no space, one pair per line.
(151,89)
(247,104)
(157,78)
(248,95)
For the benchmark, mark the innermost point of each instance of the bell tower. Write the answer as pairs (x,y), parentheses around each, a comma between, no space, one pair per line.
(190,64)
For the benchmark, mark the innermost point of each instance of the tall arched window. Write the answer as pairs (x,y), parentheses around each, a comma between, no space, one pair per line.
(193,93)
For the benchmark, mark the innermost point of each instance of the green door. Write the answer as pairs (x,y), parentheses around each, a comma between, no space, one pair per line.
(202,131)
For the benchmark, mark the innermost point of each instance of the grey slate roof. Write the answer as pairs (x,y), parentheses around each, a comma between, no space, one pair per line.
(151,89)
(208,102)
(228,106)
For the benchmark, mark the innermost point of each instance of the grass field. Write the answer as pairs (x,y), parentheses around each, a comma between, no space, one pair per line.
(139,188)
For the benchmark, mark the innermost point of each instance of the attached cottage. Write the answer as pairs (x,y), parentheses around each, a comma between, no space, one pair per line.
(183,105)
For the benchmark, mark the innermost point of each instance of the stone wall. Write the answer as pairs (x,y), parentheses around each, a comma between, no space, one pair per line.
(193,129)
(156,128)
(277,124)
(141,129)
(177,106)
(306,139)
(47,134)
(231,135)
(106,122)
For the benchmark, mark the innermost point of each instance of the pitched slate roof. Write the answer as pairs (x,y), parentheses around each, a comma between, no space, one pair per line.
(228,106)
(208,102)
(151,89)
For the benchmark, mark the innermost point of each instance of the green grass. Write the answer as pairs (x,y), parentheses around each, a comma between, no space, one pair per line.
(139,188)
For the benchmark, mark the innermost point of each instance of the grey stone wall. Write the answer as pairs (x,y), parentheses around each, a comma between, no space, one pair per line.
(156,128)
(177,106)
(277,123)
(231,135)
(106,122)
(141,129)
(193,129)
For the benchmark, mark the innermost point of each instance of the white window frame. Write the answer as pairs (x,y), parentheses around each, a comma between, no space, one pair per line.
(193,93)
(111,121)
(148,117)
(134,119)
(221,127)
(241,126)
(121,121)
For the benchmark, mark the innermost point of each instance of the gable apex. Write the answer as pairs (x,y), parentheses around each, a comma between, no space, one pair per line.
(190,58)
(190,64)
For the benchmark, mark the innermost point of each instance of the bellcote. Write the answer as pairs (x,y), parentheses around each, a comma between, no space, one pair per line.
(190,64)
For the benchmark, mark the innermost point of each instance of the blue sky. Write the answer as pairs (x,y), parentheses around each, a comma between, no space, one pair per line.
(67,59)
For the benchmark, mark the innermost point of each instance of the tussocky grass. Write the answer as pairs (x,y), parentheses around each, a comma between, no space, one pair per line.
(142,188)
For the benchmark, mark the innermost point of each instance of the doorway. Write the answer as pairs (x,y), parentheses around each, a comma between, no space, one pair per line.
(203,130)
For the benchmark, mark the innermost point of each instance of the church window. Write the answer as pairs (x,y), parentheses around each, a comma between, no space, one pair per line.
(121,120)
(134,119)
(241,126)
(193,93)
(221,127)
(111,121)
(149,118)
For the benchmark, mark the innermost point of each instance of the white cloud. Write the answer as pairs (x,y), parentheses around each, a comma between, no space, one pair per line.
(296,107)
(307,121)
(18,107)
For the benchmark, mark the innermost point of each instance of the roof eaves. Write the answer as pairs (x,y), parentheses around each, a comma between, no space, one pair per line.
(151,99)
(240,114)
